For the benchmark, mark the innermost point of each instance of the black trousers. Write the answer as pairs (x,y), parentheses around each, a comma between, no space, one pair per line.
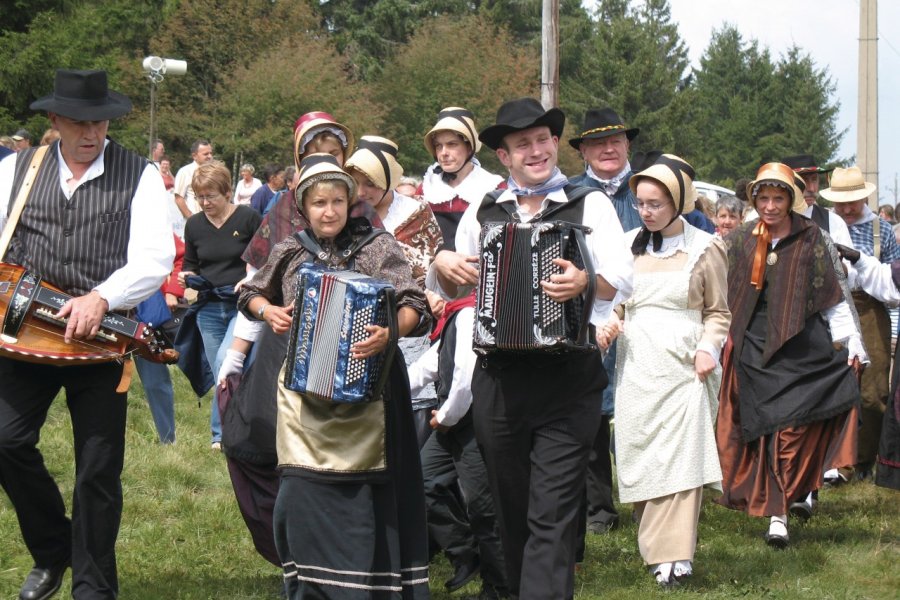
(536,418)
(449,459)
(98,426)
(600,506)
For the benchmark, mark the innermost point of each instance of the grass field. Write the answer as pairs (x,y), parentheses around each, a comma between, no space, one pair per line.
(183,538)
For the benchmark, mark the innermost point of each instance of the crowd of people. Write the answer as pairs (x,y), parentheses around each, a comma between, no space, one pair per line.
(741,347)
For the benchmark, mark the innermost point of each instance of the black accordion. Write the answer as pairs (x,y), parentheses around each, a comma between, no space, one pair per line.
(513,313)
(331,311)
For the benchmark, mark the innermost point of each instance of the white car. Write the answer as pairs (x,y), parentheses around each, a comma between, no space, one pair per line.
(712,191)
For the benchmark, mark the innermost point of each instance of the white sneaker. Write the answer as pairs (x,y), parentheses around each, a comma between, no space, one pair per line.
(682,569)
(777,536)
(663,574)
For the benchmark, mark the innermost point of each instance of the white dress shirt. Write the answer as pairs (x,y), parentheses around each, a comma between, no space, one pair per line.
(151,249)
(425,370)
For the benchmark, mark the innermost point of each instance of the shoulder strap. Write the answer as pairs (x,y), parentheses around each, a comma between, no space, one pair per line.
(876,237)
(36,159)
(309,243)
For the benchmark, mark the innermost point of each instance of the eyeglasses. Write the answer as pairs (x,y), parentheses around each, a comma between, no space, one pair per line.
(650,208)
(208,198)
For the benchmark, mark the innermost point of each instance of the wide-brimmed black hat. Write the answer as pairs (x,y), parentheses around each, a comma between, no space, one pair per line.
(523,113)
(804,163)
(83,96)
(601,123)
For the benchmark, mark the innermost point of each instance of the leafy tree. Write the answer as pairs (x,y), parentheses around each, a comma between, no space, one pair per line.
(635,65)
(448,63)
(301,74)
(751,110)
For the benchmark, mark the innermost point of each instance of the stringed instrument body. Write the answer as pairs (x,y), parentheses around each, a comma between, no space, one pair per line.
(31,332)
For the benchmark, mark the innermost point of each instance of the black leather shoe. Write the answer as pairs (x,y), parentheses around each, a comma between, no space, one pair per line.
(464,574)
(42,583)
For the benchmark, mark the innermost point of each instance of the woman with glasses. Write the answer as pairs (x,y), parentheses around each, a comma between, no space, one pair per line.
(214,240)
(671,332)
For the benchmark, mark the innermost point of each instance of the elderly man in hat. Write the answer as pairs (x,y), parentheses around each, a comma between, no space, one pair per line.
(91,226)
(536,416)
(872,236)
(807,168)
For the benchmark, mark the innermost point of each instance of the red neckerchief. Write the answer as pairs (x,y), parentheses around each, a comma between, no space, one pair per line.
(452,307)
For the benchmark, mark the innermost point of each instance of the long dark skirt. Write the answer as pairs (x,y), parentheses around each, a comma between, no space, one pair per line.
(887,473)
(353,539)
(249,412)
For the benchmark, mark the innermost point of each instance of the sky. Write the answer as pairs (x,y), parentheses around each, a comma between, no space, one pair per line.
(828,30)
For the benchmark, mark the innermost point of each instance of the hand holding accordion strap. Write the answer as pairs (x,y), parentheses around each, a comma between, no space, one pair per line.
(24,191)
(589,291)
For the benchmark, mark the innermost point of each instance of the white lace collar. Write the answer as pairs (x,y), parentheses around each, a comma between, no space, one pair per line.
(471,189)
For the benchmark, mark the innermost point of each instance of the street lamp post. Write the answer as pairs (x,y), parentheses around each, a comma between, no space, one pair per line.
(156,68)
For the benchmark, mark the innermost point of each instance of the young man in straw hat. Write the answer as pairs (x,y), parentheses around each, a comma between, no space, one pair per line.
(536,416)
(111,249)
(872,236)
(456,179)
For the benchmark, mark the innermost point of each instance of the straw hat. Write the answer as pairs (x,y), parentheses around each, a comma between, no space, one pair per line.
(848,185)
(83,96)
(778,175)
(312,124)
(675,175)
(521,114)
(458,120)
(376,158)
(321,167)
(601,123)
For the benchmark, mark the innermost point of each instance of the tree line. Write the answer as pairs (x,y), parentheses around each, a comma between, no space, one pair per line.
(388,66)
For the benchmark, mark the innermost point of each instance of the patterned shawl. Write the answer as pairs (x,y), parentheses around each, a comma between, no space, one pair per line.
(805,280)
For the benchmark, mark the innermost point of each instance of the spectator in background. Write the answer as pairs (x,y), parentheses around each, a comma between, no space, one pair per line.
(290,184)
(159,150)
(886,212)
(274,176)
(7,146)
(729,214)
(50,136)
(214,242)
(165,169)
(408,186)
(22,139)
(246,185)
(202,153)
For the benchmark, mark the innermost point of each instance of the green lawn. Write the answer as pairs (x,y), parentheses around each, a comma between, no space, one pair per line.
(183,538)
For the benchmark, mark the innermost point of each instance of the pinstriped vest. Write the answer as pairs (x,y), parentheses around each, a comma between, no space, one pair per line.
(76,244)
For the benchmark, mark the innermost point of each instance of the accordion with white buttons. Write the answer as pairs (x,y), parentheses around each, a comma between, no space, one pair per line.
(513,313)
(331,311)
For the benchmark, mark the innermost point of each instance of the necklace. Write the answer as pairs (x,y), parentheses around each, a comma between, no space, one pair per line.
(220,220)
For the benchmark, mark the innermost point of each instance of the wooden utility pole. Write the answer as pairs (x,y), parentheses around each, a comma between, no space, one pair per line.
(867,105)
(550,54)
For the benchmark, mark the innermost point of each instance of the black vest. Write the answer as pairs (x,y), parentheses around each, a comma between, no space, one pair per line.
(76,244)
(820,217)
(570,212)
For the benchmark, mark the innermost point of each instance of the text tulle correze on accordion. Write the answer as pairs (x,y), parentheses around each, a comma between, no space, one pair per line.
(331,311)
(513,311)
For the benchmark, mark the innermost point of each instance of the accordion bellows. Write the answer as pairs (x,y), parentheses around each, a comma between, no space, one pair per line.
(513,311)
(331,311)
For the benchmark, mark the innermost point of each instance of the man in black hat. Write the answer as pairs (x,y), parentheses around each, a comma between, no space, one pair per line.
(536,416)
(807,168)
(91,226)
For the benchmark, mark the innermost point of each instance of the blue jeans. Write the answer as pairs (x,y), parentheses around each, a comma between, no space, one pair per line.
(216,323)
(160,397)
